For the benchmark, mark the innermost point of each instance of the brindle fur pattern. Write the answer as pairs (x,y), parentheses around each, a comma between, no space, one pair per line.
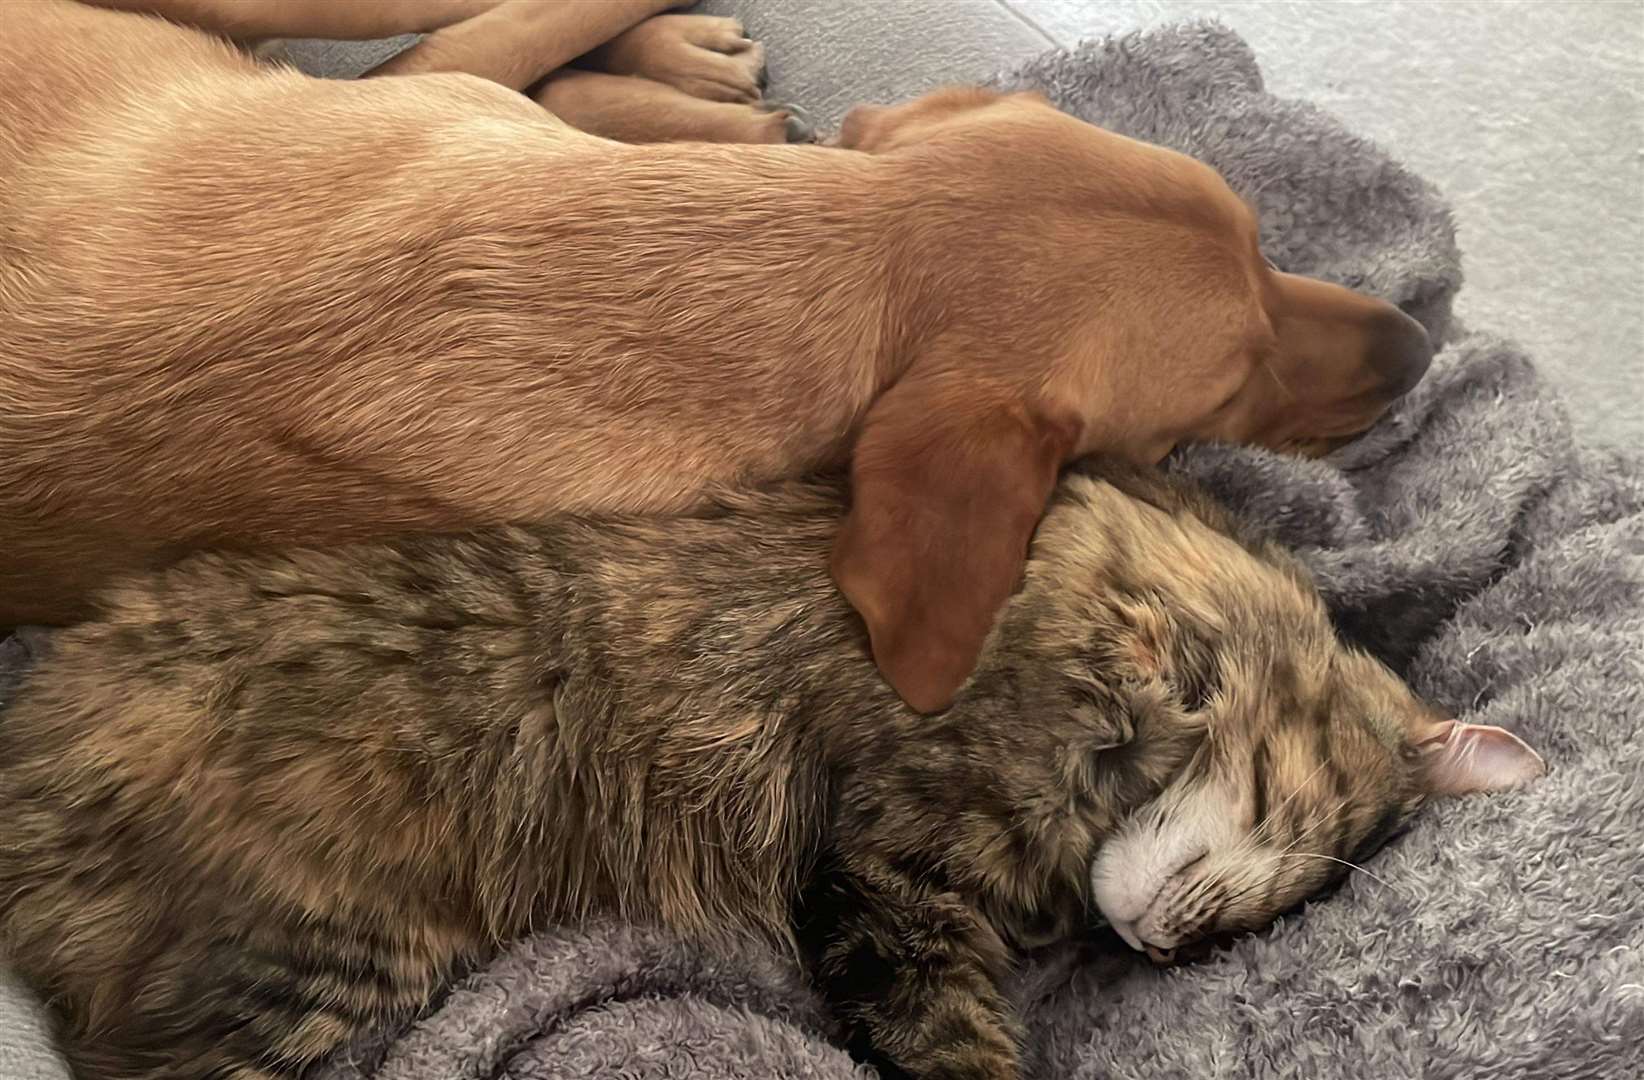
(262,805)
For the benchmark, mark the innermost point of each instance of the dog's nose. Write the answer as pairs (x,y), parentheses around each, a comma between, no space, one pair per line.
(1401,352)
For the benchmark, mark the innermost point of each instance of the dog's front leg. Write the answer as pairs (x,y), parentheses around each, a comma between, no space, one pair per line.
(518,42)
(254,20)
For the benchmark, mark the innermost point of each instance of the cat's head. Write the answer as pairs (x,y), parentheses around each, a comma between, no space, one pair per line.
(1303,774)
(1263,754)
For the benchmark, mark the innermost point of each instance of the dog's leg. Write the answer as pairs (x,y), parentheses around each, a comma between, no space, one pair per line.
(517,42)
(249,20)
(635,110)
(705,56)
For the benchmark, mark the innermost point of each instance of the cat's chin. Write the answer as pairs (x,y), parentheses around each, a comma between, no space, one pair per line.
(1105,937)
(1190,952)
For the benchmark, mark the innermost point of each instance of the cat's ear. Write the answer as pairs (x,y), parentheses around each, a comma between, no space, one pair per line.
(1460,759)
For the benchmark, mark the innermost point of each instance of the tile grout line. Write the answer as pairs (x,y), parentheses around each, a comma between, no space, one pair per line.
(1029,23)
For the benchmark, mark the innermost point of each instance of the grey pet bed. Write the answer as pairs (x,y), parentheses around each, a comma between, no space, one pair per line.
(1468,540)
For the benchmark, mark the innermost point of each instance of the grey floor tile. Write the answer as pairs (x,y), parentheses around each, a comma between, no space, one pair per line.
(829,55)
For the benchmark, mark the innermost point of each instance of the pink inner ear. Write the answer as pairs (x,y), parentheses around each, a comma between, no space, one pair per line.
(1464,758)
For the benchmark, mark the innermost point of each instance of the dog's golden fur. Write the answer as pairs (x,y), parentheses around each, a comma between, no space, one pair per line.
(241,307)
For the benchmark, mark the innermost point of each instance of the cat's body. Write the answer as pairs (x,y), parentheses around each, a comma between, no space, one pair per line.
(264,805)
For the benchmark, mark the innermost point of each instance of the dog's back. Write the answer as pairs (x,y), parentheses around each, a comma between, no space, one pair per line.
(244,307)
(63,62)
(140,165)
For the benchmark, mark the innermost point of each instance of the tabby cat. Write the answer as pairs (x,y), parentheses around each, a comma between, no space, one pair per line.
(265,804)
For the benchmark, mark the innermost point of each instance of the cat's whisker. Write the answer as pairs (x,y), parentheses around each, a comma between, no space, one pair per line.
(1329,818)
(1351,866)
(1273,814)
(1253,844)
(1248,889)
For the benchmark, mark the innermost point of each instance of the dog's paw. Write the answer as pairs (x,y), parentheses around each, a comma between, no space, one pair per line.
(796,127)
(761,123)
(705,56)
(630,109)
(732,122)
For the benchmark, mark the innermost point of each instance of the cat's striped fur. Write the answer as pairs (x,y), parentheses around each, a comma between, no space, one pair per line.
(265,804)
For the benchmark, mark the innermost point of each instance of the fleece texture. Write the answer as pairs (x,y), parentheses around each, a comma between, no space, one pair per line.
(1469,540)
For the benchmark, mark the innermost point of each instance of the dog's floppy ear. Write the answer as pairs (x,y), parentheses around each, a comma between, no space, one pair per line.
(948,481)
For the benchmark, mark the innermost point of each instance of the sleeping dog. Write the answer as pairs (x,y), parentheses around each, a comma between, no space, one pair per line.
(241,307)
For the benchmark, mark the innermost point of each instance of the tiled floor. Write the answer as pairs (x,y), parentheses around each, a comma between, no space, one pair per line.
(1529,115)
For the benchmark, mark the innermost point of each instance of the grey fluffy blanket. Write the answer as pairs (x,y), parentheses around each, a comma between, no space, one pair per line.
(1469,540)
